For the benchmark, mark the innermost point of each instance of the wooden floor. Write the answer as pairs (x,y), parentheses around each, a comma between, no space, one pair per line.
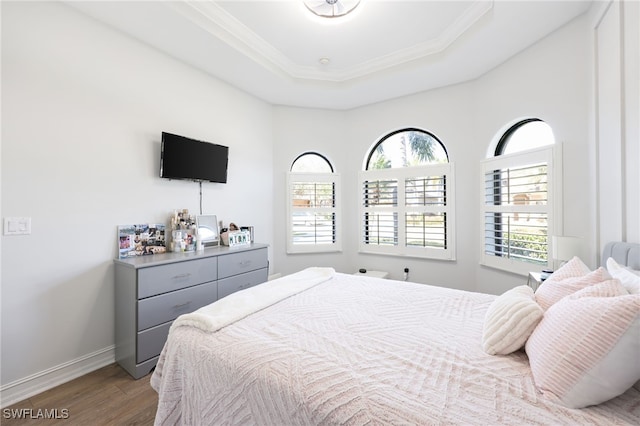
(108,396)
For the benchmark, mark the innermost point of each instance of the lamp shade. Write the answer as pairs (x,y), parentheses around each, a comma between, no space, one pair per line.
(564,248)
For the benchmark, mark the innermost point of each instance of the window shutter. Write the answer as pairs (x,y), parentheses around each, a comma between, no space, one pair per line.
(517,210)
(408,211)
(380,198)
(426,222)
(312,212)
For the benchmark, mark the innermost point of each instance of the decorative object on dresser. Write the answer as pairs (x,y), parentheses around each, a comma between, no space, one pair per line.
(184,233)
(239,238)
(208,234)
(249,229)
(152,291)
(141,239)
(224,233)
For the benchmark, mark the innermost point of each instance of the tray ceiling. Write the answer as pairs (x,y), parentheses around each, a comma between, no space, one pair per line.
(282,53)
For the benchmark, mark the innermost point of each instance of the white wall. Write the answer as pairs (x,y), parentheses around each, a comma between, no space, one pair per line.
(549,80)
(83,108)
(631,108)
(300,130)
(439,112)
(615,33)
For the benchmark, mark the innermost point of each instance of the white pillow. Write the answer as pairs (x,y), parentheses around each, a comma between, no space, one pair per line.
(585,349)
(627,277)
(510,320)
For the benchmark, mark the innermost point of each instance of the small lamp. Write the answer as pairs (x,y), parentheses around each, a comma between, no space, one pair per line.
(564,248)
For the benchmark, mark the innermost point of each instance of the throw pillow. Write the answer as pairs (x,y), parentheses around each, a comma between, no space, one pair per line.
(571,277)
(629,279)
(608,288)
(585,349)
(575,267)
(510,320)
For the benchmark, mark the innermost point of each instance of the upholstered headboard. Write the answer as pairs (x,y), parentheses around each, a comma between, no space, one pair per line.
(627,254)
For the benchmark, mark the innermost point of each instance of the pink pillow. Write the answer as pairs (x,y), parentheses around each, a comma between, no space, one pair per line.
(573,268)
(608,288)
(571,277)
(585,349)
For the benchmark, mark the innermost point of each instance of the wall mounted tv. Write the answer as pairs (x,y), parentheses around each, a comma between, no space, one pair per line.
(186,158)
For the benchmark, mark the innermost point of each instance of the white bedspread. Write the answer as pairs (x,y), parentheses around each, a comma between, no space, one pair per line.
(356,350)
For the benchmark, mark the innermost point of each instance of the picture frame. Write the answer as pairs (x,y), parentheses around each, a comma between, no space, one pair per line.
(208,232)
(141,239)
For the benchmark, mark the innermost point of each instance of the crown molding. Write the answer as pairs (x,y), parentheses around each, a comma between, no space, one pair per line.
(216,21)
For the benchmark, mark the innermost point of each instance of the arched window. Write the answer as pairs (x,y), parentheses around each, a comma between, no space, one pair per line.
(311,162)
(524,135)
(407,197)
(406,148)
(312,205)
(518,205)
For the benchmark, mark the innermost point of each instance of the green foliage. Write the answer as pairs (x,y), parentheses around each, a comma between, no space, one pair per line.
(422,147)
(406,149)
(527,246)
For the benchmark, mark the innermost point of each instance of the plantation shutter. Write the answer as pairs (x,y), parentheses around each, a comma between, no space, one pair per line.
(408,212)
(312,212)
(517,210)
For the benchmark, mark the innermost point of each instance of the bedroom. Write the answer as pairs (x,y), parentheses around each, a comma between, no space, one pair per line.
(82,111)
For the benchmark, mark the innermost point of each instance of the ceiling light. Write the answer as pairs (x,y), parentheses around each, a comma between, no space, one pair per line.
(331,8)
(324,61)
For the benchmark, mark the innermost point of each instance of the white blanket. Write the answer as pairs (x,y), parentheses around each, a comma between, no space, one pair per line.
(238,305)
(353,350)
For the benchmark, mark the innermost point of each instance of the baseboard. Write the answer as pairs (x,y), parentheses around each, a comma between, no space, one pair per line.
(37,383)
(274,276)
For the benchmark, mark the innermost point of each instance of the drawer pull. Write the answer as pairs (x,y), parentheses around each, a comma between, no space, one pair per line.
(181,276)
(182,305)
(245,263)
(247,285)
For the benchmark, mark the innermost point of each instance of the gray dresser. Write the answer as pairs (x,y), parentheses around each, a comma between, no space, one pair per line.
(152,291)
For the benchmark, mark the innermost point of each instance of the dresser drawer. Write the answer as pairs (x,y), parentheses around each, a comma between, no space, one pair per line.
(244,261)
(242,281)
(174,276)
(166,307)
(151,341)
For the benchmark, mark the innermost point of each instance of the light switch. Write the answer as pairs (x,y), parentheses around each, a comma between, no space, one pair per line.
(17,225)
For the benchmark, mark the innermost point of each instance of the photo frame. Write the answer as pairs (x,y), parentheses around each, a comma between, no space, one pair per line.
(141,239)
(207,226)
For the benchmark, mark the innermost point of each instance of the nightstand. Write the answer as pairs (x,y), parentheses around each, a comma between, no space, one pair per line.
(534,280)
(375,274)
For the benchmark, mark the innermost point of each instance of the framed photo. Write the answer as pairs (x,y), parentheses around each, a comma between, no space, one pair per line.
(140,240)
(207,226)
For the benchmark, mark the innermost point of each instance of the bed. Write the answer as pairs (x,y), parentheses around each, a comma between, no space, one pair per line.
(321,347)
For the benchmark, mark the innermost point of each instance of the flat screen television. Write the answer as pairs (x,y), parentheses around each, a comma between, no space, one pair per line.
(190,159)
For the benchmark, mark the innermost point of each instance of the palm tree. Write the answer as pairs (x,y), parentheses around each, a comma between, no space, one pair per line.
(422,146)
(380,160)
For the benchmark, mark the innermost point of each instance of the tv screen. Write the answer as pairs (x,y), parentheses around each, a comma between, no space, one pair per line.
(185,158)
